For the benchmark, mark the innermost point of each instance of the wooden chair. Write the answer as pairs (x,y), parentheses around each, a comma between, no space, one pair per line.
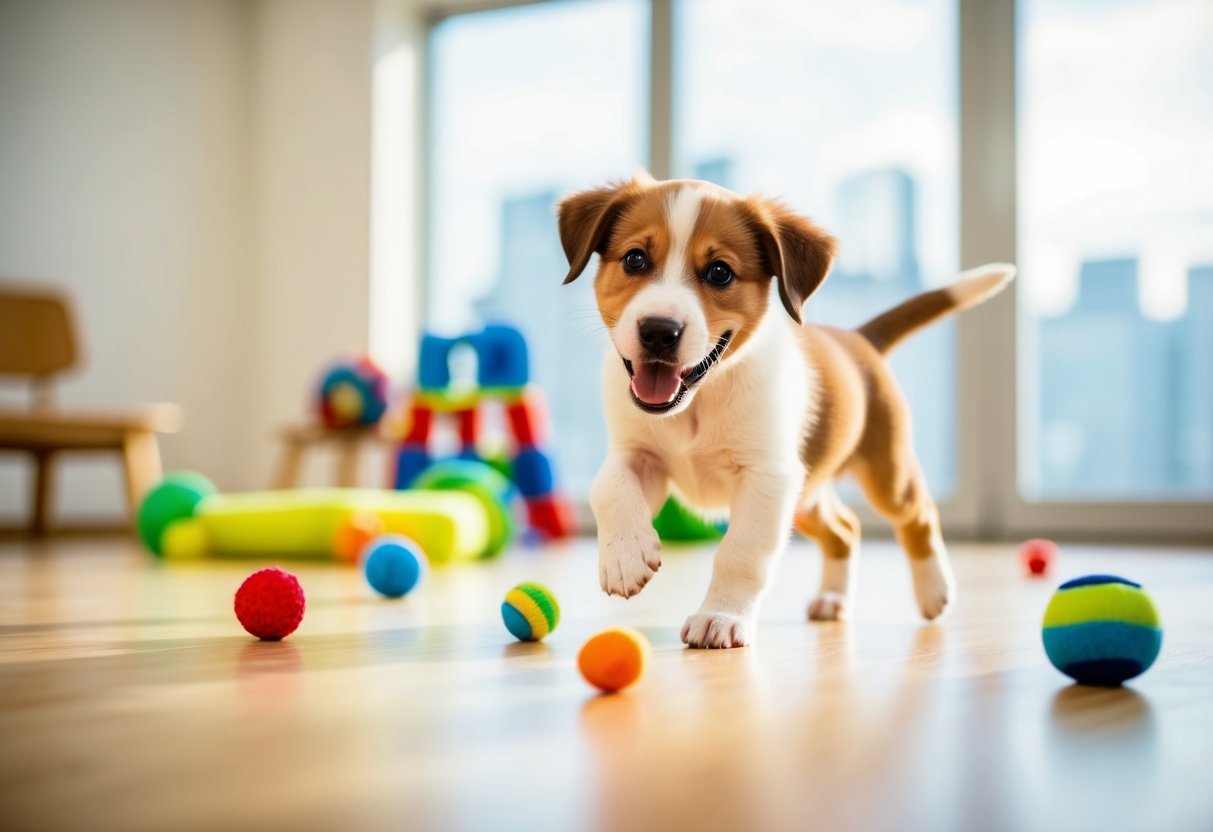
(38,342)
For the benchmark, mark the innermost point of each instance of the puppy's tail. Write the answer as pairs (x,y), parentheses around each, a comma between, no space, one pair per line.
(889,329)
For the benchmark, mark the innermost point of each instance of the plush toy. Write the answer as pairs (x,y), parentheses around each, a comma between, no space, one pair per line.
(676,523)
(352,393)
(354,534)
(1101,630)
(269,604)
(614,659)
(461,515)
(393,565)
(530,612)
(175,497)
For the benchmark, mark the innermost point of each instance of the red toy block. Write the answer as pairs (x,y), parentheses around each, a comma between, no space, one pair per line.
(528,421)
(469,427)
(420,423)
(552,516)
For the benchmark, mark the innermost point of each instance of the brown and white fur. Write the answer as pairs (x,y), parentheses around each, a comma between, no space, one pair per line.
(786,409)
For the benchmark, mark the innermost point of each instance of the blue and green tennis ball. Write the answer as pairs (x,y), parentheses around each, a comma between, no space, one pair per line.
(530,611)
(1101,630)
(393,565)
(173,498)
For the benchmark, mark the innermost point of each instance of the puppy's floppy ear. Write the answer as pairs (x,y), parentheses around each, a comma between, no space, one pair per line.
(796,251)
(585,220)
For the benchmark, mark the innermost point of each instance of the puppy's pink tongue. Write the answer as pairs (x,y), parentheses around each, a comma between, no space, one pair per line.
(656,383)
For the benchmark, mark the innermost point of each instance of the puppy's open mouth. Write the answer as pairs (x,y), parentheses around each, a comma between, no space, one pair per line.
(658,387)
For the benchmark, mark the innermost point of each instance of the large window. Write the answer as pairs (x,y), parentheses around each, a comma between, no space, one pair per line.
(1072,136)
(848,112)
(524,108)
(1116,247)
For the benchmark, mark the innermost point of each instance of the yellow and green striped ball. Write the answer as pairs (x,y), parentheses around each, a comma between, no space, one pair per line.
(1101,630)
(530,611)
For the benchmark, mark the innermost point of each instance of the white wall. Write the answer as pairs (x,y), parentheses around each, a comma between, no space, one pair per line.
(124,161)
(197,173)
(312,173)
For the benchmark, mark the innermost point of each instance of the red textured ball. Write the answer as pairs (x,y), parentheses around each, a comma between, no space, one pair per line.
(270,604)
(1037,555)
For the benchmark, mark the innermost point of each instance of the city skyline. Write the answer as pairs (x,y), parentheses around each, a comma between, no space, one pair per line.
(1103,348)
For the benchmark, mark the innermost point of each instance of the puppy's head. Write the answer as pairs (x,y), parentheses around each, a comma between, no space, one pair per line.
(684,275)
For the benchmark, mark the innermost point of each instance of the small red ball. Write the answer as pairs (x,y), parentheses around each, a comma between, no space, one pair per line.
(1037,555)
(270,604)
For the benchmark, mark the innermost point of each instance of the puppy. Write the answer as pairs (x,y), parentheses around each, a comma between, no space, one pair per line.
(714,393)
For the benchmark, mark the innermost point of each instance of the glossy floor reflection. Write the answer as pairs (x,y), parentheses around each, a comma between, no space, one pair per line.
(131,699)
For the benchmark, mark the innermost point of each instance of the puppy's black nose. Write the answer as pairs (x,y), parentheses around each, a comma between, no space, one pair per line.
(657,335)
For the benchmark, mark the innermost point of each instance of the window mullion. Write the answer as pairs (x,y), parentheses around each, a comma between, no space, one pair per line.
(661,84)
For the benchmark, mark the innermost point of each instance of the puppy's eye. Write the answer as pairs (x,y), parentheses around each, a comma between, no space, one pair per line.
(635,261)
(719,274)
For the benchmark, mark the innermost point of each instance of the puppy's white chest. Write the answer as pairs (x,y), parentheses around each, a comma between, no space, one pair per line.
(706,478)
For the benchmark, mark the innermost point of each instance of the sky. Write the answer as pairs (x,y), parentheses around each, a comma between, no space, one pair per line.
(1116,145)
(1115,123)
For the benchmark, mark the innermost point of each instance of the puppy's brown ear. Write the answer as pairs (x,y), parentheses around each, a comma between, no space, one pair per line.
(797,252)
(585,220)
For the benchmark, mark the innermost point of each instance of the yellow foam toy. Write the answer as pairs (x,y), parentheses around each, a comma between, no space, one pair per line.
(448,525)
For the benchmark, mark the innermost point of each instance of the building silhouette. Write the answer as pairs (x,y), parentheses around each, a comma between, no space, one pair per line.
(878,268)
(1125,403)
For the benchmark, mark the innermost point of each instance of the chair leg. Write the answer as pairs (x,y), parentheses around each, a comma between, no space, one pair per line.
(347,463)
(287,475)
(44,488)
(141,457)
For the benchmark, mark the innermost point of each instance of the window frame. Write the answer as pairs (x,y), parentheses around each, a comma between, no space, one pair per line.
(987,503)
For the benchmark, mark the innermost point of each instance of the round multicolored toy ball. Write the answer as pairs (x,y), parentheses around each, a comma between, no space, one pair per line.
(530,611)
(393,565)
(354,534)
(614,659)
(1037,555)
(352,393)
(270,604)
(1101,630)
(175,497)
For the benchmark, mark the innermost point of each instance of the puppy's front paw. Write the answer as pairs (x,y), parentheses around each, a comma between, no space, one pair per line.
(830,606)
(934,586)
(717,629)
(627,561)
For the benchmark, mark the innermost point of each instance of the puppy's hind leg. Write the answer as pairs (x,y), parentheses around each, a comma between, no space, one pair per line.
(825,518)
(897,489)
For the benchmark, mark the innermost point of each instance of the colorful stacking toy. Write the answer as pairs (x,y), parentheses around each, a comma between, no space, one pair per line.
(503,375)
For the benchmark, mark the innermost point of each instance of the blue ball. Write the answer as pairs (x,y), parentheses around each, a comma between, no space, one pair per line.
(393,565)
(1101,630)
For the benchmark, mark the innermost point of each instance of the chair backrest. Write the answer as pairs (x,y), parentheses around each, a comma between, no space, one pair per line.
(37,337)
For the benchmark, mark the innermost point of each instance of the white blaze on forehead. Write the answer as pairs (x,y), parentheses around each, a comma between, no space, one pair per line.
(681,214)
(668,295)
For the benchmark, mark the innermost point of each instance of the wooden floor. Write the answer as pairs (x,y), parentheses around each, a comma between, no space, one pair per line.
(131,699)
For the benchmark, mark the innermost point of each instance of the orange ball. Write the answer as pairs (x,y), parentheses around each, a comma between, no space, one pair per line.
(354,533)
(614,658)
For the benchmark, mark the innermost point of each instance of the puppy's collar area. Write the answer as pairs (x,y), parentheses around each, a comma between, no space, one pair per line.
(690,378)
